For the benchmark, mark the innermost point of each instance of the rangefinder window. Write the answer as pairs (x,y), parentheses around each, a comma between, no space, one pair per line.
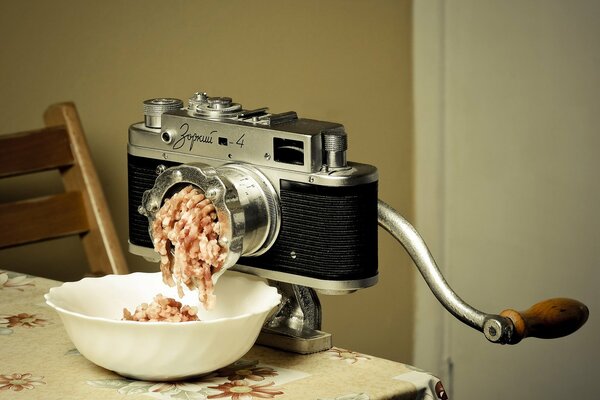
(288,151)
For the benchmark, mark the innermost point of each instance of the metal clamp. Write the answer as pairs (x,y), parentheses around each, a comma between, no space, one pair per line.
(295,327)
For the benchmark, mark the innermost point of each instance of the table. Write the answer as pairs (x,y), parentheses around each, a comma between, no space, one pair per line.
(38,361)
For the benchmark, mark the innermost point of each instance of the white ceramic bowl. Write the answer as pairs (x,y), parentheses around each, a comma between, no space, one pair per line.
(91,311)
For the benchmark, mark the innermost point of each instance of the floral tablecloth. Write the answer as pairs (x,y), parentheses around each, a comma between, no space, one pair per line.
(38,361)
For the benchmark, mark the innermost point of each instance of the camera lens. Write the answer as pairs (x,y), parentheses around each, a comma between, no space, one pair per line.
(246,203)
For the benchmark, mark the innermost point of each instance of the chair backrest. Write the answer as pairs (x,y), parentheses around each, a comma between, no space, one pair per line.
(81,210)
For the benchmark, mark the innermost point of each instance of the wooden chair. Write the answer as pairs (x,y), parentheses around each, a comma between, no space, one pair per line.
(80,210)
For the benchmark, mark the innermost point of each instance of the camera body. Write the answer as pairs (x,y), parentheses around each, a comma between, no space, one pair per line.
(308,216)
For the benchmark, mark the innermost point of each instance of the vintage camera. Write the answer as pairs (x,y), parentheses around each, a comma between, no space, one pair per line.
(295,210)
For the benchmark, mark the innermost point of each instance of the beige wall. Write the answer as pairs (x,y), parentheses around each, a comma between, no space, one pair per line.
(345,61)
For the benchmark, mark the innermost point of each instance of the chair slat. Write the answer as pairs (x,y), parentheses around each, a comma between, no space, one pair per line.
(101,243)
(47,218)
(34,151)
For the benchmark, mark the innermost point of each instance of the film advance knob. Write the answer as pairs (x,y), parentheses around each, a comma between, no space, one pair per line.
(154,109)
(335,144)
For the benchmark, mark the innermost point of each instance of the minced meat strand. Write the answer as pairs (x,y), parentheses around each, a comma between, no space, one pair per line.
(162,309)
(188,224)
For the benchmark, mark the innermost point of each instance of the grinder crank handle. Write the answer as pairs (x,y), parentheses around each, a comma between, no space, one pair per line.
(548,319)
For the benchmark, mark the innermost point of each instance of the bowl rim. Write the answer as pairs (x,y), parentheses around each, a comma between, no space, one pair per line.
(268,307)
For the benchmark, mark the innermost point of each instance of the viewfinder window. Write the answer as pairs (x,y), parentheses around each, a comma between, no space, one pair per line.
(288,151)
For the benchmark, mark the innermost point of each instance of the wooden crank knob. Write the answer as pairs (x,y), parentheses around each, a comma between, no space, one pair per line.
(548,319)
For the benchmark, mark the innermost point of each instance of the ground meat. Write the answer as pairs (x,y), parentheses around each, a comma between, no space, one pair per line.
(162,309)
(188,224)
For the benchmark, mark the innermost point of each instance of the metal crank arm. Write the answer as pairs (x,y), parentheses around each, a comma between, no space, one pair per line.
(548,319)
